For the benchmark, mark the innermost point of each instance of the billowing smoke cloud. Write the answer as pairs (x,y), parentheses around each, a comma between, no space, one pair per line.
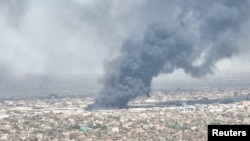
(45,42)
(203,33)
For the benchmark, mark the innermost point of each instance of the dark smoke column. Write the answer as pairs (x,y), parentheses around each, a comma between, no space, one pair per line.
(169,46)
(130,75)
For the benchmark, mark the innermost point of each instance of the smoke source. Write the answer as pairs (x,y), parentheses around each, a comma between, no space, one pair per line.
(203,33)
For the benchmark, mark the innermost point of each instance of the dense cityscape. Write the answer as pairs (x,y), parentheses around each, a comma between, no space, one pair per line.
(64,118)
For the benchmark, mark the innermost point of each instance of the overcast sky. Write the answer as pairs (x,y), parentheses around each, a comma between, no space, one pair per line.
(77,36)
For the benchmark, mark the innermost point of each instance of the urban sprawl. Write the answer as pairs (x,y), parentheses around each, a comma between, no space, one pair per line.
(65,118)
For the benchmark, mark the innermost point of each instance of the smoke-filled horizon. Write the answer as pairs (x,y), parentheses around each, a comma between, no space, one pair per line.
(202,34)
(60,38)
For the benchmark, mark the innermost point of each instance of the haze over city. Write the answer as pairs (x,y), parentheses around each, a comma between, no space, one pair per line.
(122,70)
(48,40)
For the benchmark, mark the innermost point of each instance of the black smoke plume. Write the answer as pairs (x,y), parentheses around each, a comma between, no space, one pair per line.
(204,33)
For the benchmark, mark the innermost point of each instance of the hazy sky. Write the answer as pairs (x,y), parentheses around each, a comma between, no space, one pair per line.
(77,36)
